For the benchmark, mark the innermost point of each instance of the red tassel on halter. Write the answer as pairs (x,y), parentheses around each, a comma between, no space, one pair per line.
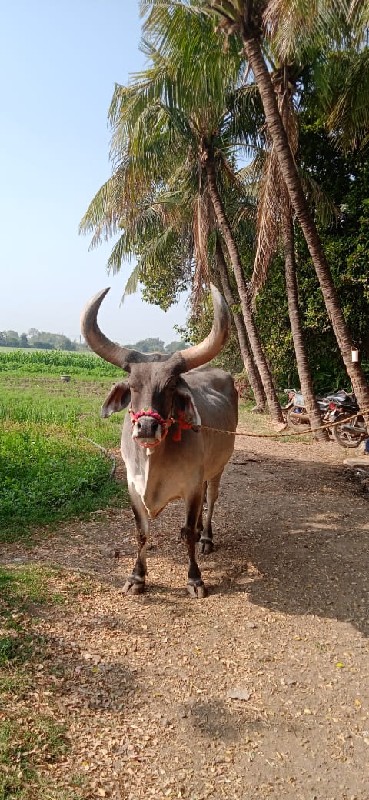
(183,425)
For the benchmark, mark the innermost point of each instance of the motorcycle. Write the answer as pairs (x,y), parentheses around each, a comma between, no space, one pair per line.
(334,407)
(295,412)
(351,432)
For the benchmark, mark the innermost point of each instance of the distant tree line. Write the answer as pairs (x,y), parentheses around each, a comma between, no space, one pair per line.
(44,340)
(157,346)
(40,340)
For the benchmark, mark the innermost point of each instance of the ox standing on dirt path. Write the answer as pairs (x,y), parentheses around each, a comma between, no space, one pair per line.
(166,452)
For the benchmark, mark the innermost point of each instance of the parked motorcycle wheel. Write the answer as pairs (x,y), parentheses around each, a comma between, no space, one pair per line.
(295,420)
(350,434)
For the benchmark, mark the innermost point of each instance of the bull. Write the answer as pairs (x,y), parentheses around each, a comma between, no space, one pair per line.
(173,444)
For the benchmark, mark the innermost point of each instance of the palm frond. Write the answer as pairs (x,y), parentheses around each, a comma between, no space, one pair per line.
(195,51)
(324,208)
(250,173)
(358,15)
(103,214)
(201,227)
(349,115)
(268,218)
(302,27)
(132,282)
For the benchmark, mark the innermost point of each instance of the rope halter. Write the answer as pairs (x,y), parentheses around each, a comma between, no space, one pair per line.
(182,422)
(164,423)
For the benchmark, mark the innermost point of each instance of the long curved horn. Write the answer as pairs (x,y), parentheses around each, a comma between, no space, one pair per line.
(100,344)
(203,352)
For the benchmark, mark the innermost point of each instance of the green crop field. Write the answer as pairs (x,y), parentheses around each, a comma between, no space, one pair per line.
(49,470)
(56,362)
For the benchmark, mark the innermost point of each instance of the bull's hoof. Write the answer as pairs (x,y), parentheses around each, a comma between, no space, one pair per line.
(197,589)
(206,545)
(133,586)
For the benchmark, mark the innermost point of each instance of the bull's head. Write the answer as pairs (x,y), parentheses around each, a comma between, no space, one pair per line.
(154,388)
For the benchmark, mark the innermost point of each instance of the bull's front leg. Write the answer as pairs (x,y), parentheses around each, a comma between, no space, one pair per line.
(189,533)
(206,538)
(135,583)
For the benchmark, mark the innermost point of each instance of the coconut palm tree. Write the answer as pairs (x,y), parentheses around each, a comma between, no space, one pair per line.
(158,142)
(208,160)
(269,215)
(251,369)
(217,132)
(275,222)
(256,22)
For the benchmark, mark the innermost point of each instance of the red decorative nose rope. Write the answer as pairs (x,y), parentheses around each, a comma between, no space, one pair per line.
(182,422)
(166,423)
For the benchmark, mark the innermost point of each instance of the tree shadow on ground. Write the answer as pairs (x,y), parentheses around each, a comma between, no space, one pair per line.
(293,536)
(302,541)
(85,681)
(213,718)
(290,534)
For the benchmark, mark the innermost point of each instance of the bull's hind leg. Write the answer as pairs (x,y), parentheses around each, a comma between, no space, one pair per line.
(206,539)
(135,583)
(200,523)
(195,584)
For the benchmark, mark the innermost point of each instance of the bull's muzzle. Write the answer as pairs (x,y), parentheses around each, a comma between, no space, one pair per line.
(149,428)
(147,432)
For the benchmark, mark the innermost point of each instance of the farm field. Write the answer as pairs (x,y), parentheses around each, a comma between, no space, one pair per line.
(54,362)
(48,468)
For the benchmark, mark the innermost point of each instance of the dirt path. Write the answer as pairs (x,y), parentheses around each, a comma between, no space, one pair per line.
(145,684)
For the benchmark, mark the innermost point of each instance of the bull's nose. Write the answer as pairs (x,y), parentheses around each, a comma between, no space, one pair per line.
(154,426)
(146,428)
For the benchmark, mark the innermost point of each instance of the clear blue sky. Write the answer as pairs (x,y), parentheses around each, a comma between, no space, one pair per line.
(59,60)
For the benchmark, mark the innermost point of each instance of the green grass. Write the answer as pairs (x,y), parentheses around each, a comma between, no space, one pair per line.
(48,476)
(29,739)
(49,471)
(20,586)
(74,406)
(22,742)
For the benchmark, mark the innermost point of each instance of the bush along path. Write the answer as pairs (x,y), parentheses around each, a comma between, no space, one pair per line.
(259,691)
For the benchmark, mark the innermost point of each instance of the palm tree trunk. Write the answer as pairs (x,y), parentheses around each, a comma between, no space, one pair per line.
(292,180)
(247,358)
(303,368)
(252,332)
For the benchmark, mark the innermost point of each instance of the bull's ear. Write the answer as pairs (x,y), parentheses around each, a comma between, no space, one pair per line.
(185,404)
(117,399)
